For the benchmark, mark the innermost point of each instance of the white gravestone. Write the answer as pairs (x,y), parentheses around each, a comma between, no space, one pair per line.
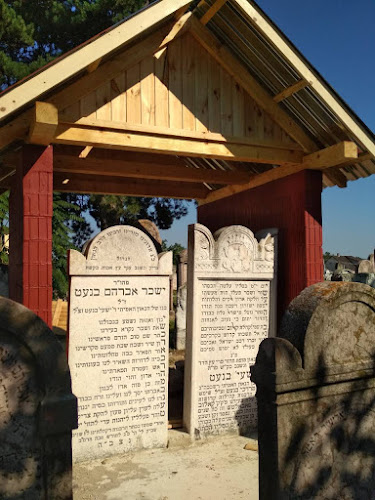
(230,311)
(118,343)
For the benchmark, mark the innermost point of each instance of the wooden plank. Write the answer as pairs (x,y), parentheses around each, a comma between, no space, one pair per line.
(214,95)
(121,186)
(94,65)
(238,111)
(294,59)
(141,170)
(188,44)
(249,84)
(133,95)
(296,87)
(226,105)
(117,139)
(88,107)
(161,89)
(103,102)
(329,157)
(199,136)
(85,152)
(201,90)
(175,84)
(177,29)
(15,130)
(44,123)
(71,64)
(147,91)
(118,98)
(57,313)
(212,11)
(72,112)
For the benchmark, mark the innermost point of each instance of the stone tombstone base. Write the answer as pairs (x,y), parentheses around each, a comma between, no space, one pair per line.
(229,312)
(118,343)
(316,397)
(37,409)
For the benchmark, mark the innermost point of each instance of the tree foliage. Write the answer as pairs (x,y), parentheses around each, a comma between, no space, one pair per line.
(33,32)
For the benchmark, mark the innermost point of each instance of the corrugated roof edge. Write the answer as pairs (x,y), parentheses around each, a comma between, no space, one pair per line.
(342,102)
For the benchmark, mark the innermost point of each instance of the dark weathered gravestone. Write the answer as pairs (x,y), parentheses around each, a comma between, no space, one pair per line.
(316,397)
(37,409)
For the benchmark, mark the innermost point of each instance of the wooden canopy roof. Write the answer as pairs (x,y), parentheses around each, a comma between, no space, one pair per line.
(212,96)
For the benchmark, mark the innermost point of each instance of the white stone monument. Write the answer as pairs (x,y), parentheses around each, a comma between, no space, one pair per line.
(231,309)
(118,343)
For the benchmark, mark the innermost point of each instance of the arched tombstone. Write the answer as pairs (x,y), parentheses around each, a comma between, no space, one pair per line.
(37,409)
(118,343)
(316,397)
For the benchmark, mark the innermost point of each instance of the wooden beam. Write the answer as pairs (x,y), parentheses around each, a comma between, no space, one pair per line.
(117,139)
(74,62)
(121,186)
(249,84)
(65,163)
(16,130)
(169,132)
(44,123)
(94,65)
(335,175)
(307,73)
(112,68)
(177,28)
(331,156)
(296,87)
(212,11)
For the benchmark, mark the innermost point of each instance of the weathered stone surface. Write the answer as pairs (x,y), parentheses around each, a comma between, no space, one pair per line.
(118,343)
(181,317)
(38,409)
(182,268)
(316,397)
(228,314)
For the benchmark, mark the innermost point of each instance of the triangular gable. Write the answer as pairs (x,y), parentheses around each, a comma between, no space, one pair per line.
(181,88)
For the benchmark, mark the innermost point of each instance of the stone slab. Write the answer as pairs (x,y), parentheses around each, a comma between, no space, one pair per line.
(118,345)
(229,311)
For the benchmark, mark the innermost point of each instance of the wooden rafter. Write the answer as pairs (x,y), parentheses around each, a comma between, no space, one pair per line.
(87,184)
(68,66)
(141,170)
(224,57)
(296,87)
(336,177)
(329,157)
(215,7)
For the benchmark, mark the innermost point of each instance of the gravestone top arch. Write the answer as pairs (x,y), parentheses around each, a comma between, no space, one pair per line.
(119,250)
(39,410)
(316,397)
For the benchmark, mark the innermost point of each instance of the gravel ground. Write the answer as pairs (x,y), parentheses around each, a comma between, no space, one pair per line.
(219,468)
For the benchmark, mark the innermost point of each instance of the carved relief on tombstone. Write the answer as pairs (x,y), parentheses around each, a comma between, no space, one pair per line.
(38,409)
(316,397)
(118,343)
(229,310)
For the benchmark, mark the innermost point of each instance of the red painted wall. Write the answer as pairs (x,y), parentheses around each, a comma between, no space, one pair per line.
(30,263)
(291,204)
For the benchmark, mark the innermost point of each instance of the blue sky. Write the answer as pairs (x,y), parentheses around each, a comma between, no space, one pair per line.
(338,38)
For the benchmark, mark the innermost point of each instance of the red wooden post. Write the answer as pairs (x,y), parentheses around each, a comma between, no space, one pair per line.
(291,204)
(30,262)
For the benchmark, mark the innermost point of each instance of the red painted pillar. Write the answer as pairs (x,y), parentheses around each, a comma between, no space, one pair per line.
(291,204)
(30,240)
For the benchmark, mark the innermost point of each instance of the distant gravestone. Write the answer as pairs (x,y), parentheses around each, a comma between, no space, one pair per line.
(118,343)
(228,315)
(37,409)
(316,397)
(181,317)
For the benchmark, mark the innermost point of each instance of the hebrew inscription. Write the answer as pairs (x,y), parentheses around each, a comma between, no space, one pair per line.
(118,353)
(229,287)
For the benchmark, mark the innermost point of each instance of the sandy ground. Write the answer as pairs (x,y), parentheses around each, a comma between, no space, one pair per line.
(216,469)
